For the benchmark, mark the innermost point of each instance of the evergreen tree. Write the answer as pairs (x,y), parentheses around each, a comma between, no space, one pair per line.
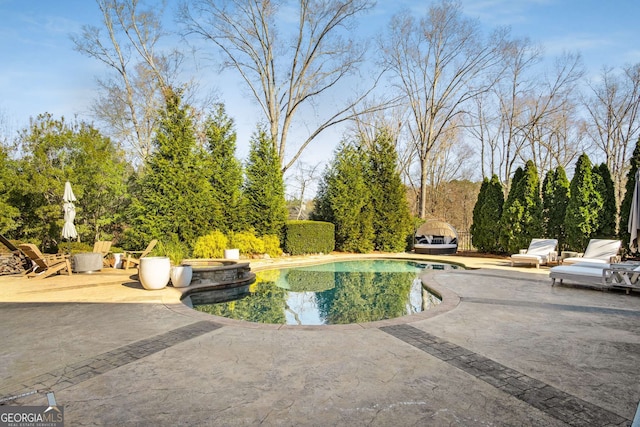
(607,216)
(344,199)
(266,209)
(102,198)
(517,177)
(174,201)
(225,171)
(555,196)
(391,218)
(625,207)
(486,216)
(581,219)
(54,151)
(477,227)
(8,213)
(522,218)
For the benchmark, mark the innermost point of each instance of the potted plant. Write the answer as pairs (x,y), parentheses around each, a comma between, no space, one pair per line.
(154,271)
(180,274)
(232,253)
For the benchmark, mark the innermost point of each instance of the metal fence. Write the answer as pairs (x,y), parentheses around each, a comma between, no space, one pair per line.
(464,241)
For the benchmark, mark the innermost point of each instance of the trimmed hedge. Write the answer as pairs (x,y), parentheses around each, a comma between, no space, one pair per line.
(309,237)
(310,281)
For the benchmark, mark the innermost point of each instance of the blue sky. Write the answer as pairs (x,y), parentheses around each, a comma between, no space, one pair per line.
(40,72)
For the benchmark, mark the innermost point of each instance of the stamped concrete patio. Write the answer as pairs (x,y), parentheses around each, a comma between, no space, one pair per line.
(503,349)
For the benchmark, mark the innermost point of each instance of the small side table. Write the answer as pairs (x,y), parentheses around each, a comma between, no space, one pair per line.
(622,275)
(88,262)
(567,254)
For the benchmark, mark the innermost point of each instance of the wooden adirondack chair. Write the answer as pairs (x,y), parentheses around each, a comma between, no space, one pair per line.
(45,265)
(102,247)
(129,255)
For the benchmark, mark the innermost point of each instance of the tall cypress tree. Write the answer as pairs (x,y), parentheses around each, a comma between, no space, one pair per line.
(625,207)
(174,199)
(510,210)
(517,177)
(585,202)
(344,199)
(391,218)
(555,197)
(487,212)
(607,216)
(522,218)
(477,227)
(266,208)
(225,171)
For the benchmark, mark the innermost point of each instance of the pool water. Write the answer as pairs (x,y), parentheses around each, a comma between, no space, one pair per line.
(330,294)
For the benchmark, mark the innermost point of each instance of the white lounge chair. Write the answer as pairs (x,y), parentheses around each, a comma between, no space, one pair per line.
(584,273)
(540,252)
(599,251)
(622,276)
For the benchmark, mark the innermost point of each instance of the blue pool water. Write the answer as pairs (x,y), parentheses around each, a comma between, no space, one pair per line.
(332,293)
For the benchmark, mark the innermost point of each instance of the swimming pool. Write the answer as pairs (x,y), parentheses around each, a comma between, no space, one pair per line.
(333,293)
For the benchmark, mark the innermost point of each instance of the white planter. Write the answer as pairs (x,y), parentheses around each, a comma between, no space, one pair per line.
(181,276)
(232,253)
(117,260)
(154,272)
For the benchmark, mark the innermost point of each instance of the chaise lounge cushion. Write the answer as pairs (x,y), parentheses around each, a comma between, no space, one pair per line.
(577,259)
(598,251)
(537,253)
(582,273)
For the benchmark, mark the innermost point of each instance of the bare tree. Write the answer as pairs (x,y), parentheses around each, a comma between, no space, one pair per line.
(528,115)
(305,176)
(127,43)
(484,120)
(556,139)
(614,123)
(515,92)
(437,62)
(286,71)
(549,112)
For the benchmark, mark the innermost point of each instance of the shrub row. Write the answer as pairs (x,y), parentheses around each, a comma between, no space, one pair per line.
(309,237)
(213,244)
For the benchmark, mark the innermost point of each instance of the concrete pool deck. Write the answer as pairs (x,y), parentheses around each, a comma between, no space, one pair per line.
(506,349)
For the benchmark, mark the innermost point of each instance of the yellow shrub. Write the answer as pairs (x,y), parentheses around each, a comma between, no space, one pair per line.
(210,246)
(272,245)
(247,242)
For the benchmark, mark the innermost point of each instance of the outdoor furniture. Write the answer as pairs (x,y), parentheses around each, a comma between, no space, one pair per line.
(584,273)
(44,265)
(102,247)
(436,238)
(568,254)
(87,262)
(601,251)
(129,256)
(625,275)
(622,275)
(540,252)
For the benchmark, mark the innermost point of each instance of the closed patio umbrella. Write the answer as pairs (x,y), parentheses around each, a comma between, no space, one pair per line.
(69,229)
(634,216)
